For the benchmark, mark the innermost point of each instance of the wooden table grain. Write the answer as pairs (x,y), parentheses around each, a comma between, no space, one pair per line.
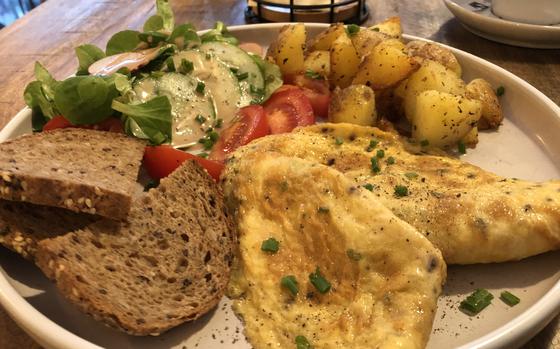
(50,32)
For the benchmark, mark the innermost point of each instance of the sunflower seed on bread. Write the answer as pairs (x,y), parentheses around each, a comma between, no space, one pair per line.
(169,263)
(80,170)
(23,225)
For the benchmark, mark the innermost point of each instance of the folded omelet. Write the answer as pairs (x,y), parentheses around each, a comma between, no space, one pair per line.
(322,261)
(471,215)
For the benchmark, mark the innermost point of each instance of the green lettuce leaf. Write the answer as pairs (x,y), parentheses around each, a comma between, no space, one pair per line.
(85,100)
(124,41)
(87,55)
(154,23)
(219,33)
(150,120)
(165,11)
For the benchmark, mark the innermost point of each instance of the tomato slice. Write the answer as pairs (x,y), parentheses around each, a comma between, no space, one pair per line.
(110,124)
(288,108)
(251,123)
(317,90)
(161,160)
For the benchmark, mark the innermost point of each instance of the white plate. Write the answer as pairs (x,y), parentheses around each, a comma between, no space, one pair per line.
(480,20)
(526,146)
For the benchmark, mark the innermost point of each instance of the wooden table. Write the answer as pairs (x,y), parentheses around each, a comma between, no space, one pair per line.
(50,32)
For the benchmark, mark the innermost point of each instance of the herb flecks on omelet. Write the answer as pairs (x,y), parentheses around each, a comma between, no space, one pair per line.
(347,274)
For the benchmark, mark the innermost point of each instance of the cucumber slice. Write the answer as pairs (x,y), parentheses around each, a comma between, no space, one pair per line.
(239,60)
(186,105)
(219,81)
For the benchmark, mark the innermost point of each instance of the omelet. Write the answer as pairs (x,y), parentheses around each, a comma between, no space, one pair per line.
(471,215)
(322,262)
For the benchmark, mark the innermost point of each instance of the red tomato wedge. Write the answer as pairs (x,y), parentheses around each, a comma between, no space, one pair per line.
(161,160)
(288,108)
(251,123)
(317,90)
(111,125)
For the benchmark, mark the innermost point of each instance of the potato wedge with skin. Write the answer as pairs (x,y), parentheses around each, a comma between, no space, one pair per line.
(435,52)
(443,119)
(355,104)
(324,40)
(365,40)
(385,67)
(471,139)
(344,61)
(482,91)
(390,26)
(431,76)
(399,45)
(288,49)
(319,62)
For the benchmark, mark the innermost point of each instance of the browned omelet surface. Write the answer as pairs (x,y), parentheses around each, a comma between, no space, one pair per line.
(385,276)
(471,215)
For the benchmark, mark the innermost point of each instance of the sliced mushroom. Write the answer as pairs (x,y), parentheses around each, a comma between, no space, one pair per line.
(130,60)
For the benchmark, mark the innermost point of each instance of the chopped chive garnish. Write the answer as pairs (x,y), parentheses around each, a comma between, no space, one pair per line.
(302,343)
(424,143)
(353,255)
(461,148)
(338,140)
(290,283)
(380,153)
(411,175)
(509,298)
(368,186)
(170,64)
(375,29)
(319,281)
(323,209)
(270,245)
(372,144)
(242,76)
(313,74)
(186,66)
(256,91)
(200,86)
(200,119)
(234,70)
(208,141)
(500,91)
(401,190)
(375,165)
(203,155)
(352,29)
(152,183)
(477,301)
(219,123)
(391,160)
(213,135)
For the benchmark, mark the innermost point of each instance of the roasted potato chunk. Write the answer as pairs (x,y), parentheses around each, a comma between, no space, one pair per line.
(390,26)
(471,139)
(385,67)
(355,104)
(430,76)
(365,40)
(443,119)
(435,52)
(319,62)
(288,49)
(344,61)
(482,91)
(324,40)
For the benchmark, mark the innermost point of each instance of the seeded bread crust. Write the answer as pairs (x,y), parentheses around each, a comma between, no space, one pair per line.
(23,225)
(168,264)
(80,170)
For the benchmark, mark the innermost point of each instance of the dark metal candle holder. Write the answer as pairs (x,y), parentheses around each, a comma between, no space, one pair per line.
(265,10)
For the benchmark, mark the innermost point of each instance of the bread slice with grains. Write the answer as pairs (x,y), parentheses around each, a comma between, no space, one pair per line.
(169,263)
(77,169)
(23,225)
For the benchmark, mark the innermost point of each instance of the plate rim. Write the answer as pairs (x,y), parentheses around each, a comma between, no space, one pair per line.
(492,28)
(46,331)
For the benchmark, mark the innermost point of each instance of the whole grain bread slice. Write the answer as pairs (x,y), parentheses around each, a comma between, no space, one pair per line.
(23,225)
(80,170)
(169,263)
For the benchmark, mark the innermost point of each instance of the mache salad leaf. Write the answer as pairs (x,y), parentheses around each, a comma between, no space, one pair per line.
(87,55)
(149,120)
